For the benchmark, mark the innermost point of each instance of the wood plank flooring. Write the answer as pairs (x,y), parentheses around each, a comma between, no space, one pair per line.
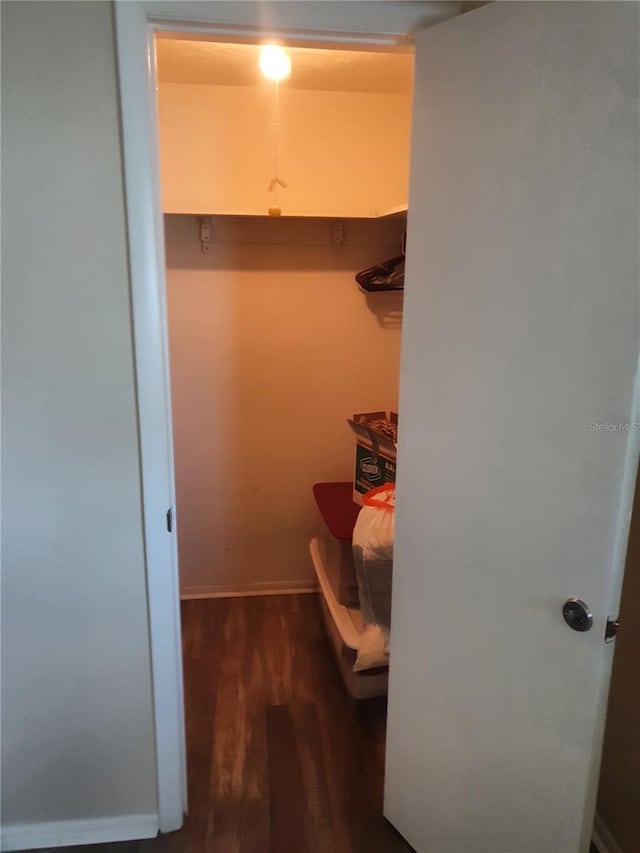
(279,760)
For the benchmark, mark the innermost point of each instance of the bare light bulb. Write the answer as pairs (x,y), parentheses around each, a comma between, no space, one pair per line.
(275,63)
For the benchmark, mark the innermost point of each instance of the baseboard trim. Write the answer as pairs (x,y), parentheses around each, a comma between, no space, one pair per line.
(63,833)
(241,590)
(602,837)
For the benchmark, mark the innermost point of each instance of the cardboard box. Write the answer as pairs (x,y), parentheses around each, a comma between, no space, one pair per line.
(375,459)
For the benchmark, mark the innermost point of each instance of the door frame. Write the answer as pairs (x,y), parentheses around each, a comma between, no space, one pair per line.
(136,22)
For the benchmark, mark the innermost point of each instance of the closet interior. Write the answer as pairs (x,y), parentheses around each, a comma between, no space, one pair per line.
(284,175)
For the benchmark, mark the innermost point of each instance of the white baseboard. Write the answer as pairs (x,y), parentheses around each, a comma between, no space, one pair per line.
(602,837)
(63,833)
(242,589)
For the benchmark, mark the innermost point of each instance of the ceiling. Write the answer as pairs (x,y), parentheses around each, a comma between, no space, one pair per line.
(225,64)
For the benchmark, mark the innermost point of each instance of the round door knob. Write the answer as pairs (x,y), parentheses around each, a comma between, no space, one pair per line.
(577,615)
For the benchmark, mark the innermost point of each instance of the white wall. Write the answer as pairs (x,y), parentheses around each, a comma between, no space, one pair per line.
(397,17)
(77,724)
(272,348)
(216,150)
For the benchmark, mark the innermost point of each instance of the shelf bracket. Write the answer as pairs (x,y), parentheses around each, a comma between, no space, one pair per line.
(206,232)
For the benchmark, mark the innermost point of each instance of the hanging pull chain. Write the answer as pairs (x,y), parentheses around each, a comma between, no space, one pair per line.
(276,181)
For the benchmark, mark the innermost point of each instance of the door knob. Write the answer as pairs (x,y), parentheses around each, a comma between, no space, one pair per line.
(577,615)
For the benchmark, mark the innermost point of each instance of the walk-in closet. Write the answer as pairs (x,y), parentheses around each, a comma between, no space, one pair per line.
(284,174)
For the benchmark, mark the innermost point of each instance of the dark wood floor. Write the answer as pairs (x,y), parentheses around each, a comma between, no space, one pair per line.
(279,761)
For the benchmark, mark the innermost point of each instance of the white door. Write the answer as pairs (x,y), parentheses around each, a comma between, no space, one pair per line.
(520,346)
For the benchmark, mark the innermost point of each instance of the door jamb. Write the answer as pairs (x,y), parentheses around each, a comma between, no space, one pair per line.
(135,26)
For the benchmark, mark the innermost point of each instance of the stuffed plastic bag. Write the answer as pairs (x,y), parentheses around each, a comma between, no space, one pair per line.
(373,537)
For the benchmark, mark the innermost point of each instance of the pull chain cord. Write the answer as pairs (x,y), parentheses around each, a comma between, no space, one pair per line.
(274,209)
(276,140)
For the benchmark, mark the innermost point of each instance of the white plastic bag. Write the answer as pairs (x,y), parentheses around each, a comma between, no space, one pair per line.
(373,537)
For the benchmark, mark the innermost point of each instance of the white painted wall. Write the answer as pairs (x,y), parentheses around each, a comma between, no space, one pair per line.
(341,153)
(393,17)
(77,722)
(272,348)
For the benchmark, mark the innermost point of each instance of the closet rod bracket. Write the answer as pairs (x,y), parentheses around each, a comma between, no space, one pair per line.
(206,232)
